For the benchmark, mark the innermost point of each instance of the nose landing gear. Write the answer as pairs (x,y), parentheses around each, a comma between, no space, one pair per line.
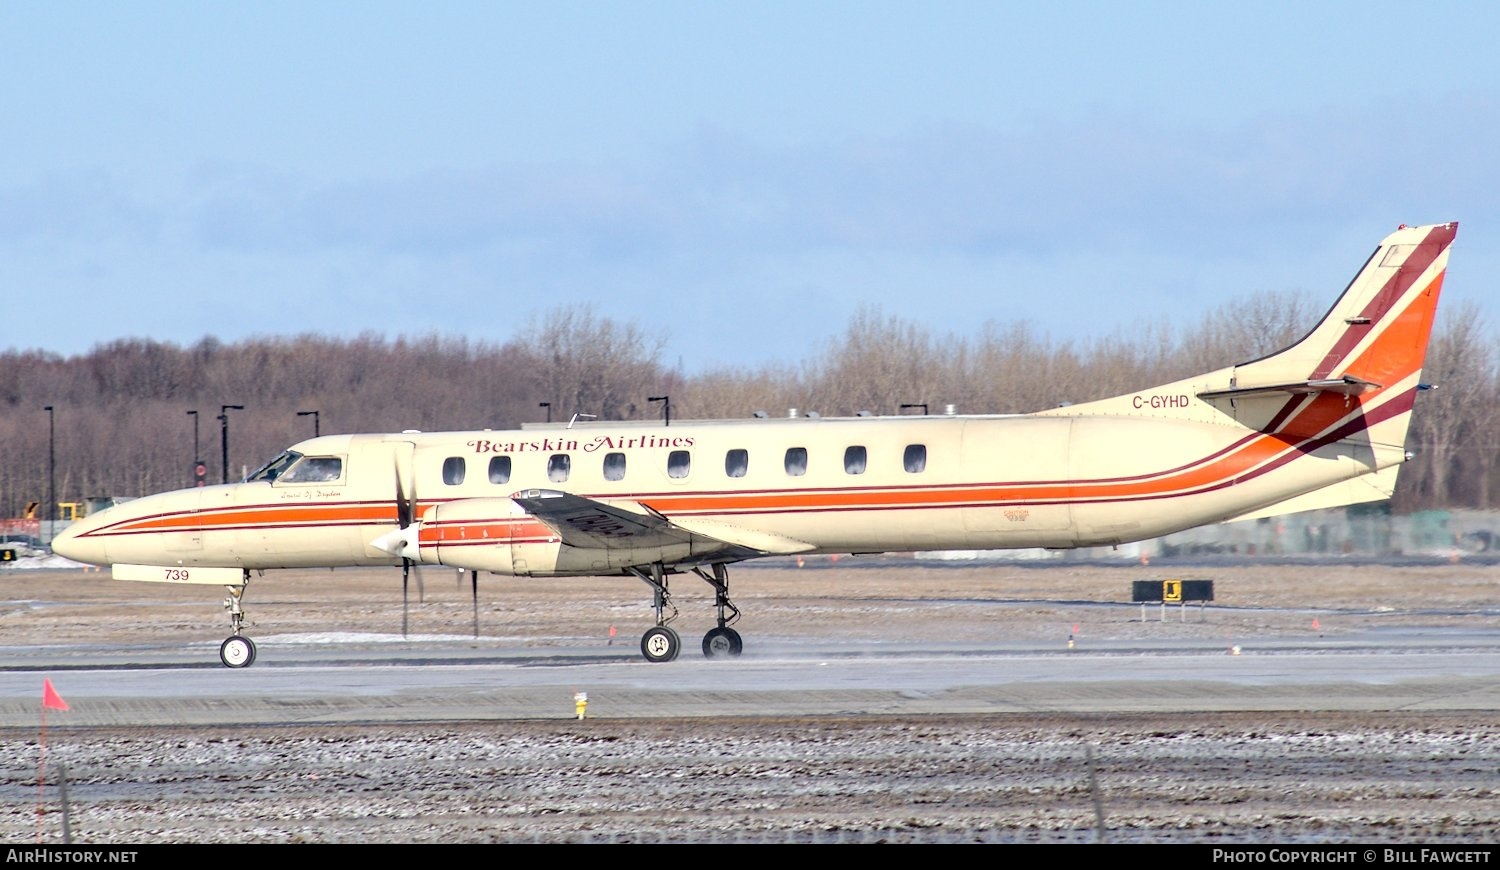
(237,651)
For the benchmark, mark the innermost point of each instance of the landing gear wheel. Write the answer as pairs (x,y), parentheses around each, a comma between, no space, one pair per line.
(237,652)
(722,642)
(660,644)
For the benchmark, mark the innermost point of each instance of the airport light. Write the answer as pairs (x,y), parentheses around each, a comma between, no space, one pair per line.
(199,472)
(314,415)
(666,407)
(548,406)
(224,438)
(51,471)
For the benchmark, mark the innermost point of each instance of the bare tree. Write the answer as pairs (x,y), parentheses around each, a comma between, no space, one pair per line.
(1445,430)
(595,366)
(122,430)
(880,363)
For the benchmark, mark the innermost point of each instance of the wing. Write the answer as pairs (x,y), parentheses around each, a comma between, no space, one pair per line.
(591,524)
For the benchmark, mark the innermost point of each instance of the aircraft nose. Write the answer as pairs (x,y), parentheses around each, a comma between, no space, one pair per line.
(72,543)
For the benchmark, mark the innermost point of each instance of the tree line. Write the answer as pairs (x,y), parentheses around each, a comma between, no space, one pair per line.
(131,416)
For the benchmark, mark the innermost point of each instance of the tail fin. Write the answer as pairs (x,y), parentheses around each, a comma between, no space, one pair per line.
(1346,388)
(1366,353)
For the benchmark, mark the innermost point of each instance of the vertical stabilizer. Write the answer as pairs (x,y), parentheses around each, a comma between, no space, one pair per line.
(1344,391)
(1361,366)
(1375,336)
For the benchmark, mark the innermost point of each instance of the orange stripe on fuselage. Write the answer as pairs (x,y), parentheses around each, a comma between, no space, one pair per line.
(321,514)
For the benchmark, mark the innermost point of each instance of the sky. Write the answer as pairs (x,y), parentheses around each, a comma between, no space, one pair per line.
(737,179)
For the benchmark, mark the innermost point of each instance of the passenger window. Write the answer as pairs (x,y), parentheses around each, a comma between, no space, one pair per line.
(453,470)
(736,463)
(614,466)
(315,469)
(500,469)
(915,460)
(679,462)
(796,461)
(558,466)
(854,460)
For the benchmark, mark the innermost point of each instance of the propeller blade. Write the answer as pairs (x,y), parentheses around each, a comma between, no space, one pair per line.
(405,574)
(403,506)
(404,543)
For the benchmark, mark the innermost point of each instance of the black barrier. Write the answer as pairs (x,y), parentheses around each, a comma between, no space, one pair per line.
(1170,592)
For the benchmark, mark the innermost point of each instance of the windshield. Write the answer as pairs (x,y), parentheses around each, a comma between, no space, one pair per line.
(273,469)
(315,469)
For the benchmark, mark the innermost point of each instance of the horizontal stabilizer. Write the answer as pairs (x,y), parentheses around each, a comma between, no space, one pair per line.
(1347,385)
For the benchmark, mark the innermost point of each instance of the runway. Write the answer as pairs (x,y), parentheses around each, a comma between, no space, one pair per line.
(917,704)
(900,639)
(373,679)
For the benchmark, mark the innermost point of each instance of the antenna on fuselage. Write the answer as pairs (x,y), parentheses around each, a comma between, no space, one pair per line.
(576,416)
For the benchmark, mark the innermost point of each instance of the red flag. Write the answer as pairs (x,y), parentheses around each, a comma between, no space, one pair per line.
(50,699)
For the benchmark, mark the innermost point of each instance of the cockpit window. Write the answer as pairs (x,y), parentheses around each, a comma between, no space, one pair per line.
(315,469)
(274,469)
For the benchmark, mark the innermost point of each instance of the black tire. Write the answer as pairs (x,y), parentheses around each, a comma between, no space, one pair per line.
(237,651)
(722,643)
(660,644)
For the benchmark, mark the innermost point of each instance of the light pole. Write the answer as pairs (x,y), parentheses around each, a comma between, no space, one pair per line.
(224,438)
(197,478)
(548,406)
(314,415)
(51,472)
(666,408)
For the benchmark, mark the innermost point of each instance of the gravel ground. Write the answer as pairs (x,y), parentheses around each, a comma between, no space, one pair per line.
(1011,779)
(1230,778)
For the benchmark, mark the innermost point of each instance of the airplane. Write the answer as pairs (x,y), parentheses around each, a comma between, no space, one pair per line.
(1319,424)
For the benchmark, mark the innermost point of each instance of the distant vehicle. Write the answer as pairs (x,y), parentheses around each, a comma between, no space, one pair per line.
(1320,424)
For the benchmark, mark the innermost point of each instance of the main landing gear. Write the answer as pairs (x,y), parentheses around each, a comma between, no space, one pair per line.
(661,643)
(237,651)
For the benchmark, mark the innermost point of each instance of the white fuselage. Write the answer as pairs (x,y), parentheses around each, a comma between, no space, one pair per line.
(847,485)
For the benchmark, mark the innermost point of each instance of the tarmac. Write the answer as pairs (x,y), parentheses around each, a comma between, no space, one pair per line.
(374,679)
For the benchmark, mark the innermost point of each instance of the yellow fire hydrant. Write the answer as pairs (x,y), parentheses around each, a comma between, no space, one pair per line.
(580,702)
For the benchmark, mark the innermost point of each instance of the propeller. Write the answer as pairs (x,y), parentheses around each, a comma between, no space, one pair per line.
(405,516)
(474,581)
